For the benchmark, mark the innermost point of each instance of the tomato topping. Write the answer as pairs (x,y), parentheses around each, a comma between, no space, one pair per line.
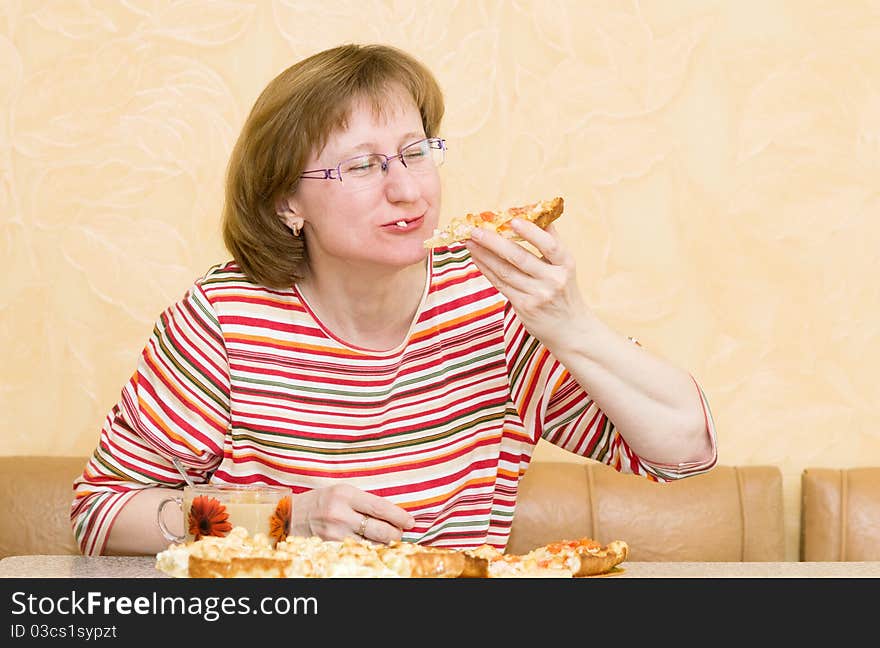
(487,216)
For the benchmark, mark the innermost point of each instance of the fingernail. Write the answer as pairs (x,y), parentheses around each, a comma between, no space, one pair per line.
(476,234)
(411,523)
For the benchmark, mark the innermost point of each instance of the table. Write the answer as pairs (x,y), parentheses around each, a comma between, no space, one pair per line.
(144,567)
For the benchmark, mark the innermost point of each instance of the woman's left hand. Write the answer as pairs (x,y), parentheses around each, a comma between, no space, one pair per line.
(542,290)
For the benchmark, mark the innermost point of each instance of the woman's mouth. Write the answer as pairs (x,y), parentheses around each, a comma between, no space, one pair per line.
(404,224)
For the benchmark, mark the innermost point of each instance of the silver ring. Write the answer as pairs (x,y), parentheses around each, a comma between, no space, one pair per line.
(363,530)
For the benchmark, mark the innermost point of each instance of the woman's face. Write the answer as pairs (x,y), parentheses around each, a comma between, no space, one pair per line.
(385,223)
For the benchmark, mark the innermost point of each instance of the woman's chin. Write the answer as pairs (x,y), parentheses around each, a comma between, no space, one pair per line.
(408,252)
(412,257)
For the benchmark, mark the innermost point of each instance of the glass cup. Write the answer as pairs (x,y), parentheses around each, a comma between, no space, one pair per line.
(214,510)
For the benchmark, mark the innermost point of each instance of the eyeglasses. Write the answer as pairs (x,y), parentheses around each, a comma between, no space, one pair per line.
(369,169)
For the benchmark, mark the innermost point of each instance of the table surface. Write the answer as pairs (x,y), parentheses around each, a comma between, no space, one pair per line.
(145,567)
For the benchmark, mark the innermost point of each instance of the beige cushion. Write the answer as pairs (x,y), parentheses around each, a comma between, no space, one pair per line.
(730,514)
(840,514)
(35,498)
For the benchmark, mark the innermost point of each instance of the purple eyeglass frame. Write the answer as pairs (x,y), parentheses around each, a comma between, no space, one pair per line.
(327,174)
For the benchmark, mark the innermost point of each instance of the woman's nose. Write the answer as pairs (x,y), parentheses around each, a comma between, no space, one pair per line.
(400,184)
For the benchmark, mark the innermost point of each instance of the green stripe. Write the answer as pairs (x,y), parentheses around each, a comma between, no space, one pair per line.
(523,358)
(160,340)
(126,476)
(110,467)
(320,389)
(551,431)
(450,258)
(209,313)
(499,513)
(85,517)
(606,435)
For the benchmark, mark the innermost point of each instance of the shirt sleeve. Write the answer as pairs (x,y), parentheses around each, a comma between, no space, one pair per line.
(175,406)
(553,406)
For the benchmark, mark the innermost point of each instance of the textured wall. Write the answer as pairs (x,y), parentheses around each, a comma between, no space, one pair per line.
(720,161)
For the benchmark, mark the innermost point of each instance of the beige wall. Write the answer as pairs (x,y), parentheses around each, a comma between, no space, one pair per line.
(720,161)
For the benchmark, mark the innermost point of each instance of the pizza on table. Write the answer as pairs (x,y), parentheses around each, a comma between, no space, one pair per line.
(239,555)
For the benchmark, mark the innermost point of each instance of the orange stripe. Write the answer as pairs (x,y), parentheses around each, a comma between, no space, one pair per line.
(533,374)
(458,276)
(447,324)
(558,383)
(157,421)
(510,474)
(250,298)
(240,337)
(484,481)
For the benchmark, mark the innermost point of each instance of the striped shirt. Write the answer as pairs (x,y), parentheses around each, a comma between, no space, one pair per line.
(243,384)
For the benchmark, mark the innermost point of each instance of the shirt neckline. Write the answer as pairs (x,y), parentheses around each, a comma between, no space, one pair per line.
(429,275)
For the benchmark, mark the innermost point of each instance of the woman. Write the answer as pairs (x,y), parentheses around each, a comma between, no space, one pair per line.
(399,392)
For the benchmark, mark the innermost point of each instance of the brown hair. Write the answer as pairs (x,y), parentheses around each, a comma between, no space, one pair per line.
(294,115)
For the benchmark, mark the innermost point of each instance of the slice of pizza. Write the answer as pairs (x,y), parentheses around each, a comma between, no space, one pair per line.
(563,559)
(583,557)
(541,213)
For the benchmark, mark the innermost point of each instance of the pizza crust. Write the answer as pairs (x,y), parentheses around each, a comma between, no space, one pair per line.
(603,561)
(410,560)
(254,567)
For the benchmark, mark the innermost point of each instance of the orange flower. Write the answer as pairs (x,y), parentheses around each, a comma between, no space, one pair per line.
(208,517)
(279,524)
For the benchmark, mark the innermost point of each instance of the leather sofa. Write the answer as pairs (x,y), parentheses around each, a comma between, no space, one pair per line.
(732,513)
(840,514)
